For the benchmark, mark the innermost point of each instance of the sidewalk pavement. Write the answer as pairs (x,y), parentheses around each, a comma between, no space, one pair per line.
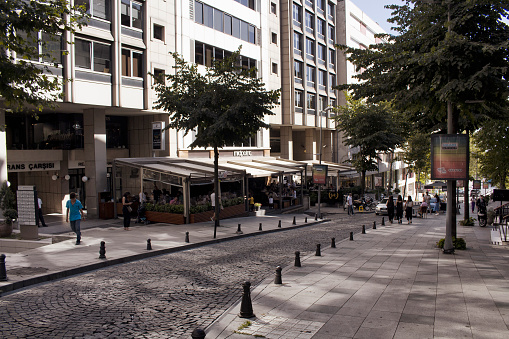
(64,258)
(389,283)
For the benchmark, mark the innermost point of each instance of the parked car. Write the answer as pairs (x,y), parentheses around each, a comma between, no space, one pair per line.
(381,207)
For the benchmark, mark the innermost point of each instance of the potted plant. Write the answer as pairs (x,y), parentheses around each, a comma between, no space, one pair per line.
(8,206)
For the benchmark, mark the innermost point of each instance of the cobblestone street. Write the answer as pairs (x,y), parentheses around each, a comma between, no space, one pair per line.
(166,296)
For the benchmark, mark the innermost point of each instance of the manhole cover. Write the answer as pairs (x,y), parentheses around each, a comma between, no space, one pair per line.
(27,270)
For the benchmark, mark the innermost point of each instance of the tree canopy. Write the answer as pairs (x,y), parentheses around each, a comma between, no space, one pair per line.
(417,151)
(446,50)
(22,81)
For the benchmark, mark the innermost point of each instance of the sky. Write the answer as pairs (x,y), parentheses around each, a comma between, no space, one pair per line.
(376,11)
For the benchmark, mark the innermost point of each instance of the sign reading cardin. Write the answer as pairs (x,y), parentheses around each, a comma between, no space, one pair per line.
(33,166)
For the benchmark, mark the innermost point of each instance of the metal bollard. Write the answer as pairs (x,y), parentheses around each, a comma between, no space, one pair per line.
(198,333)
(279,224)
(383,221)
(363,229)
(3,272)
(149,245)
(333,243)
(294,222)
(246,307)
(297,259)
(102,250)
(318,252)
(278,280)
(187,237)
(239,231)
(351,236)
(374,225)
(306,220)
(260,227)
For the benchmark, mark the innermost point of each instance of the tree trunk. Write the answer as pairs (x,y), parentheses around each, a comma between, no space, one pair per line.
(216,189)
(466,200)
(363,181)
(406,182)
(391,158)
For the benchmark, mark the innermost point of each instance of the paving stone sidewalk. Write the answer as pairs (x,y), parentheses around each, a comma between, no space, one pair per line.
(389,283)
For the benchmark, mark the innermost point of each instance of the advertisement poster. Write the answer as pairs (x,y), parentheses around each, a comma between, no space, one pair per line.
(378,181)
(459,183)
(476,185)
(485,185)
(449,156)
(319,174)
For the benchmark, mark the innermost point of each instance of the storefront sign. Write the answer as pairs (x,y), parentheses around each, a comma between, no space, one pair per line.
(241,153)
(476,185)
(158,139)
(449,156)
(33,166)
(319,174)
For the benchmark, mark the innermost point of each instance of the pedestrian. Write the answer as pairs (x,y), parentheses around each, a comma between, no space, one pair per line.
(74,215)
(399,209)
(39,213)
(251,203)
(349,201)
(271,201)
(472,203)
(390,208)
(157,194)
(428,201)
(409,209)
(424,209)
(437,206)
(143,197)
(213,202)
(126,210)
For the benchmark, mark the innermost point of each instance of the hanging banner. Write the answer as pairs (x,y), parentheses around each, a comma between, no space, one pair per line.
(449,156)
(319,174)
(476,185)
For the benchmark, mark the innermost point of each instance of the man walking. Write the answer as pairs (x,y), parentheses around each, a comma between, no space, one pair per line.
(74,214)
(349,202)
(39,213)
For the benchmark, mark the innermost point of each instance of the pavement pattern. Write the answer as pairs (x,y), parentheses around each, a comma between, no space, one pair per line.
(165,296)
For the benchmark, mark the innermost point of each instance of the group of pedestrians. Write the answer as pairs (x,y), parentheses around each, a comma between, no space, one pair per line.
(395,209)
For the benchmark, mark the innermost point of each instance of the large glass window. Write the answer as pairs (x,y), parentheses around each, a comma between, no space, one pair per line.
(48,47)
(97,8)
(208,16)
(228,24)
(323,105)
(332,34)
(218,20)
(310,22)
(332,80)
(330,10)
(332,57)
(322,79)
(132,63)
(298,72)
(206,54)
(297,14)
(310,75)
(310,47)
(321,53)
(131,14)
(92,55)
(320,4)
(311,103)
(320,28)
(297,42)
(198,12)
(116,132)
(299,99)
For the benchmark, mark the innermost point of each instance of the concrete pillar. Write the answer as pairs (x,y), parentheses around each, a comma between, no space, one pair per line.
(95,157)
(327,142)
(311,144)
(3,148)
(286,135)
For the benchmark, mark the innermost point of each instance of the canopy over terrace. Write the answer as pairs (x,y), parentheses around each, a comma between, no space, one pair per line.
(131,174)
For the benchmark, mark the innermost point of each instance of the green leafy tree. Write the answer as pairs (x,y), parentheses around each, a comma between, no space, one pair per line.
(416,154)
(21,81)
(224,106)
(8,204)
(373,128)
(492,143)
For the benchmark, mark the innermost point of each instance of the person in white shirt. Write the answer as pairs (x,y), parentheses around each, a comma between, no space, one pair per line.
(349,201)
(143,197)
(39,213)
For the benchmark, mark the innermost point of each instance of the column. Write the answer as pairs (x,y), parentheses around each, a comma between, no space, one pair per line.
(286,136)
(327,142)
(95,157)
(3,148)
(310,144)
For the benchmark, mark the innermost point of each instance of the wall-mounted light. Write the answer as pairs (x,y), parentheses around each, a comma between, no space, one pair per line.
(84,178)
(67,177)
(54,177)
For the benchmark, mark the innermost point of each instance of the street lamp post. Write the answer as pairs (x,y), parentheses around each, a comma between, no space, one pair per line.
(328,108)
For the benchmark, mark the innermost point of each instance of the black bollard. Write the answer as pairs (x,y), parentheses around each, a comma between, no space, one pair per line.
(260,227)
(278,280)
(198,333)
(363,229)
(239,231)
(383,221)
(374,225)
(333,243)
(351,236)
(306,220)
(3,272)
(187,236)
(297,259)
(246,307)
(279,224)
(149,245)
(294,222)
(318,252)
(316,217)
(102,250)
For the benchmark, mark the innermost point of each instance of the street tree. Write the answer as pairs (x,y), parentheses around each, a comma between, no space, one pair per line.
(492,143)
(372,128)
(447,68)
(224,106)
(27,32)
(416,154)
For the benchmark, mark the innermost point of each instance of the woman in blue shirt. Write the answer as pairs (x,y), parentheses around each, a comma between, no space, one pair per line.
(74,214)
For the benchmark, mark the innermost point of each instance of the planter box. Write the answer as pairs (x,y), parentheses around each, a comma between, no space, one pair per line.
(167,218)
(227,212)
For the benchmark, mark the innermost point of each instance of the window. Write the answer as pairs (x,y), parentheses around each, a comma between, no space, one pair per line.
(247,3)
(158,32)
(205,55)
(236,27)
(198,12)
(310,22)
(311,103)
(322,80)
(333,102)
(321,53)
(48,47)
(218,20)
(275,141)
(332,80)
(273,8)
(131,14)
(362,28)
(274,38)
(228,24)
(97,8)
(320,4)
(274,68)
(297,43)
(159,77)
(323,105)
(309,3)
(297,65)
(299,99)
(297,15)
(208,16)
(332,57)
(92,55)
(320,28)
(332,34)
(310,48)
(310,75)
(330,10)
(132,63)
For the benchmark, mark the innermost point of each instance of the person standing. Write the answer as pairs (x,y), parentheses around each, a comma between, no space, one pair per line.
(390,208)
(143,197)
(428,201)
(409,209)
(349,202)
(437,206)
(126,210)
(39,213)
(74,215)
(399,209)
(251,203)
(213,202)
(472,203)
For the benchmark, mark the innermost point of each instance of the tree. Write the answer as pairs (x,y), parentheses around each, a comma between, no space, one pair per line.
(492,141)
(373,128)
(23,82)
(224,106)
(447,68)
(416,154)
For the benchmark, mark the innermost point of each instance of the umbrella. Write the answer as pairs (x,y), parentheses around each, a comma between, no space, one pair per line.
(435,185)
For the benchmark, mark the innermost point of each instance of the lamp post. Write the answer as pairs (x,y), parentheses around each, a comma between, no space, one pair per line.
(328,108)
